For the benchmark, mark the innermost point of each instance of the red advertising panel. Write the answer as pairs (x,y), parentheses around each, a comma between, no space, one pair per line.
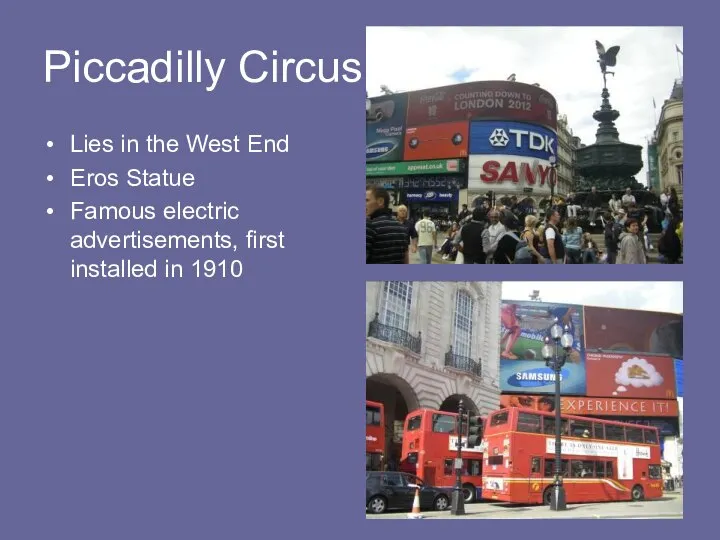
(436,141)
(630,376)
(625,330)
(498,100)
(592,406)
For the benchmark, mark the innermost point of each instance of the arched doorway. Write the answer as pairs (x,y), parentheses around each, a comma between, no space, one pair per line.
(452,403)
(398,399)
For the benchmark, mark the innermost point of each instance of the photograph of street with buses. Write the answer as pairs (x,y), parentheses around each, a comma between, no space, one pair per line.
(481,404)
(515,159)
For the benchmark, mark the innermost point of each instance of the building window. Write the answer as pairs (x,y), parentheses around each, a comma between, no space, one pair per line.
(680,174)
(397,296)
(674,135)
(463,324)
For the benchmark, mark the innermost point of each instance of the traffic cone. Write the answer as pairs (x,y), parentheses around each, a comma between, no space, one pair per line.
(416,506)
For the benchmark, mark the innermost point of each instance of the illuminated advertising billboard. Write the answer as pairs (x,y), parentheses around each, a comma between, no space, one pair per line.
(640,376)
(633,331)
(591,406)
(384,128)
(524,327)
(436,141)
(490,100)
(507,173)
(512,138)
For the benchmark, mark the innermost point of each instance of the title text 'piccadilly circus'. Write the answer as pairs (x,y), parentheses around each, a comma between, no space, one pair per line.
(502,133)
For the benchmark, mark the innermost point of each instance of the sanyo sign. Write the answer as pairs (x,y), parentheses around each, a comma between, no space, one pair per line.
(512,138)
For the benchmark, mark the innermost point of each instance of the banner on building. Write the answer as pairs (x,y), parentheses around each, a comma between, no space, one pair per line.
(413,167)
(436,141)
(587,406)
(524,327)
(630,375)
(633,331)
(384,128)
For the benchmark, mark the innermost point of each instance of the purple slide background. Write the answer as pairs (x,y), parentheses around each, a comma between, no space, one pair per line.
(186,409)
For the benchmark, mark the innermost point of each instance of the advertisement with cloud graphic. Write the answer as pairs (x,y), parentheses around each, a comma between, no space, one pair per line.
(630,376)
(436,141)
(513,138)
(524,326)
(634,331)
(384,128)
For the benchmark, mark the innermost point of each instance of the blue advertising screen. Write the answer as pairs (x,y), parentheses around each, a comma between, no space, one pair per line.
(679,377)
(524,327)
(512,138)
(384,128)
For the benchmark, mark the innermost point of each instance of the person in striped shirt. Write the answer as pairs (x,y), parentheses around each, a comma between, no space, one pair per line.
(386,239)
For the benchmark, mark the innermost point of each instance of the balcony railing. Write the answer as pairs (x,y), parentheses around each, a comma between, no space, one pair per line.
(394,335)
(463,363)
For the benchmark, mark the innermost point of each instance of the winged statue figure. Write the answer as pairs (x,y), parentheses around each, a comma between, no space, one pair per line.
(606,58)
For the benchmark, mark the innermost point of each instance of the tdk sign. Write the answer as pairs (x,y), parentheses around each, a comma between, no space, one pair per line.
(379,149)
(512,138)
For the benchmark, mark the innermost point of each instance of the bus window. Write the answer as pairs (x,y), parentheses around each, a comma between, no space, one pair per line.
(655,472)
(372,416)
(578,428)
(535,465)
(495,460)
(448,468)
(443,423)
(582,469)
(414,423)
(598,431)
(614,433)
(550,468)
(634,434)
(528,422)
(609,470)
(600,469)
(499,419)
(549,425)
(650,436)
(475,466)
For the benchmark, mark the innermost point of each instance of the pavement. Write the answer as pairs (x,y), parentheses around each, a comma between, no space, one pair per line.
(670,506)
(599,239)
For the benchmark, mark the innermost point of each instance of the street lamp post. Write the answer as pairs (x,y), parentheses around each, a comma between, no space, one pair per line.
(457,507)
(555,359)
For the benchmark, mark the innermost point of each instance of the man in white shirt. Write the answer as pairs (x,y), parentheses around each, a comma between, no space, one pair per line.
(491,235)
(628,199)
(427,238)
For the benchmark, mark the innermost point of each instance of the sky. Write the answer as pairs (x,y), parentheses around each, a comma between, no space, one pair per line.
(563,60)
(666,296)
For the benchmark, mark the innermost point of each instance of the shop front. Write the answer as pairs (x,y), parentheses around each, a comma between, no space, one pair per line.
(433,185)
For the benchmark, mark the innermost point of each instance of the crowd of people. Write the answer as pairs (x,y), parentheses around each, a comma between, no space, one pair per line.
(507,234)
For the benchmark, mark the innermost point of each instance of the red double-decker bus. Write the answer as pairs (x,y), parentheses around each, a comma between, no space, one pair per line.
(374,435)
(601,460)
(429,449)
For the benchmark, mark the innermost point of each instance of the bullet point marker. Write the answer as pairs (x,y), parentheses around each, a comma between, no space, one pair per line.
(49,177)
(50,144)
(50,211)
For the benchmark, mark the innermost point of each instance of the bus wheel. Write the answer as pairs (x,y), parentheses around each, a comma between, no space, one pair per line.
(547,496)
(468,493)
(377,505)
(637,493)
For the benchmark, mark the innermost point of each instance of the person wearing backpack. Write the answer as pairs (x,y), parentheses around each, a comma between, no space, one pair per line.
(469,239)
(527,250)
(507,243)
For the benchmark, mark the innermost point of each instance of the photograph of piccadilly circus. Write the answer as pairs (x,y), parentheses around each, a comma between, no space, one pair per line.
(567,148)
